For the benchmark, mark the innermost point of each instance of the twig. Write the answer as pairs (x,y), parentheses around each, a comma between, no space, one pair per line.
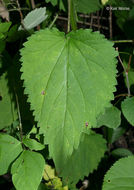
(54,20)
(91,24)
(123,41)
(33,4)
(49,178)
(86,23)
(120,95)
(126,73)
(93,16)
(33,7)
(20,123)
(98,20)
(129,62)
(21,15)
(85,184)
(69,14)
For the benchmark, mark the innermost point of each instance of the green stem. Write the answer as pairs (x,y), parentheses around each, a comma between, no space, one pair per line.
(71,15)
(19,116)
(54,20)
(123,41)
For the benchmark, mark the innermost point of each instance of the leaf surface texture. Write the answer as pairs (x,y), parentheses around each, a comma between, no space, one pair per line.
(110,118)
(70,80)
(128,109)
(121,175)
(8,113)
(85,159)
(10,148)
(27,170)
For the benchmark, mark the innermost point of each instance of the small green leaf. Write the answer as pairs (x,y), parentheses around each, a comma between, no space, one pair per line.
(4,27)
(54,2)
(33,144)
(110,118)
(121,175)
(128,109)
(34,18)
(43,186)
(10,148)
(62,3)
(88,6)
(104,1)
(27,170)
(121,152)
(8,113)
(2,45)
(114,134)
(85,159)
(49,173)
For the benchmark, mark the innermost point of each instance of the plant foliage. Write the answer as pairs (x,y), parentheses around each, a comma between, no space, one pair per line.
(21,170)
(85,159)
(111,118)
(120,176)
(10,148)
(8,111)
(128,109)
(34,18)
(66,116)
(61,87)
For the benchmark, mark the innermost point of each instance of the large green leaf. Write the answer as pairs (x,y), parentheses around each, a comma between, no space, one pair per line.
(27,170)
(110,118)
(8,113)
(70,80)
(128,109)
(10,148)
(121,175)
(84,159)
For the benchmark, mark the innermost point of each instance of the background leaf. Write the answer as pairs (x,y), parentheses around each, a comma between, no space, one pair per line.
(121,152)
(121,175)
(83,6)
(27,170)
(62,4)
(10,148)
(8,113)
(110,118)
(128,109)
(70,87)
(85,159)
(88,6)
(34,18)
(33,144)
(4,27)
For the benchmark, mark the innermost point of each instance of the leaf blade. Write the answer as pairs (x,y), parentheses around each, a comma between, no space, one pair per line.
(120,176)
(10,148)
(127,107)
(27,170)
(85,159)
(62,88)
